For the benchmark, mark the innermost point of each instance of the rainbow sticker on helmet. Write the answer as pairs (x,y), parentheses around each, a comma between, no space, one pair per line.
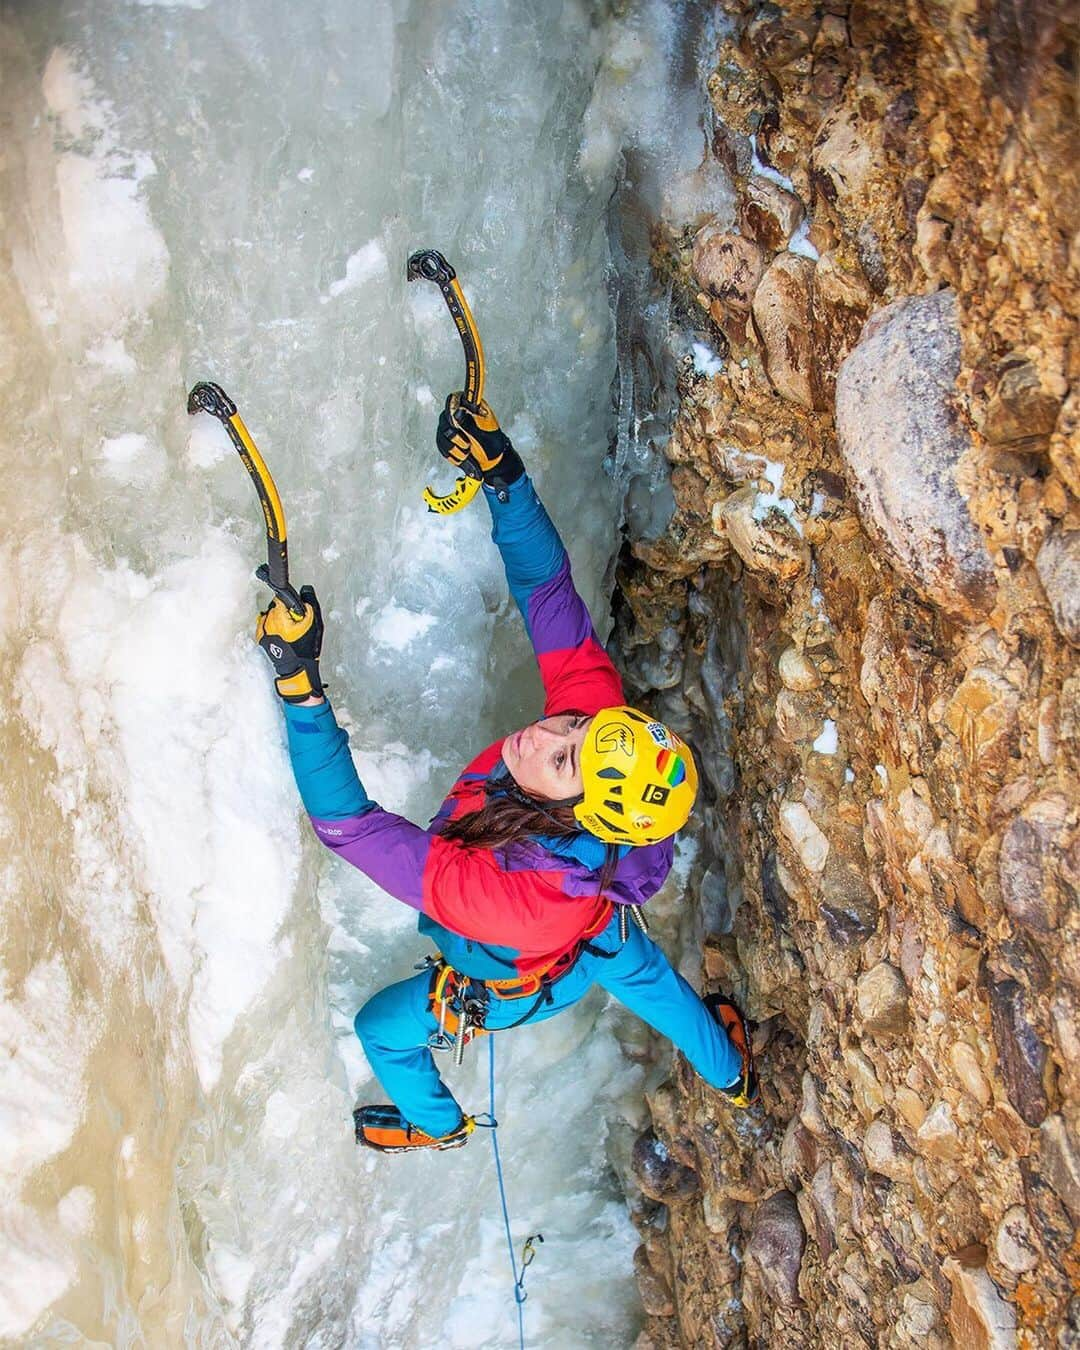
(671,768)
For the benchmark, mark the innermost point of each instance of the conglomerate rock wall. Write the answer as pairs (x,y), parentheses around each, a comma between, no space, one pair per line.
(865,611)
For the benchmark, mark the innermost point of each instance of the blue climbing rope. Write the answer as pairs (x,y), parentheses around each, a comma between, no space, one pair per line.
(529,1251)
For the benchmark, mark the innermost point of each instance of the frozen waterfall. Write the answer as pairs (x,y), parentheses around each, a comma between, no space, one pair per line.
(229,191)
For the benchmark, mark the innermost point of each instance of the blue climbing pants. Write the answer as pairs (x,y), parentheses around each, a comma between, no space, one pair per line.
(394,1025)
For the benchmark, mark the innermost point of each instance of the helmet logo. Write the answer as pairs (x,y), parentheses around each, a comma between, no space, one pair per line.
(276,652)
(670,768)
(655,795)
(661,735)
(644,822)
(613,738)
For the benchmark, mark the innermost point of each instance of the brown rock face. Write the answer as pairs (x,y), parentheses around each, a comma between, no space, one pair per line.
(978,1316)
(770,215)
(775,1247)
(903,445)
(876,662)
(883,1000)
(659,1175)
(1031,861)
(728,266)
(1021,1054)
(1058,566)
(1021,414)
(782,313)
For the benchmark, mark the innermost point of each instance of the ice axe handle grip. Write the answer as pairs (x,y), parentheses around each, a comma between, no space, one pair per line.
(284,593)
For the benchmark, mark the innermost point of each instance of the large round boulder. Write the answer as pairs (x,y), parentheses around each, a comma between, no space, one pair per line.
(903,441)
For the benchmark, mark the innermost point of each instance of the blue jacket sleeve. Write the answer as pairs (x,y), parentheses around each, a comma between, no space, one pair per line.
(531,549)
(575,669)
(325,774)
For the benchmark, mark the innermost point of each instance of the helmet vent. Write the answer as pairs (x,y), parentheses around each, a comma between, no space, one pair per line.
(610,773)
(610,824)
(614,806)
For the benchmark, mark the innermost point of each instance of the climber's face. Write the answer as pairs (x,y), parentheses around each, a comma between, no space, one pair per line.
(544,758)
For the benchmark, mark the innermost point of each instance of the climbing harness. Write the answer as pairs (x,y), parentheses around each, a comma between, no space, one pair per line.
(430,265)
(212,399)
(460,1003)
(528,1252)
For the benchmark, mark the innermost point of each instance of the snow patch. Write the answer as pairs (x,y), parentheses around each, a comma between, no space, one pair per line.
(76,1211)
(706,361)
(800,243)
(396,627)
(116,261)
(766,170)
(765,502)
(827,742)
(208,442)
(369,263)
(111,355)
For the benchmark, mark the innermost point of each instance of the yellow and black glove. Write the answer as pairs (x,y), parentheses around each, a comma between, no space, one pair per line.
(293,646)
(744,1091)
(477,444)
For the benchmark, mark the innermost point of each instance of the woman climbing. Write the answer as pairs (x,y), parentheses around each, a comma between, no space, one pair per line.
(548,840)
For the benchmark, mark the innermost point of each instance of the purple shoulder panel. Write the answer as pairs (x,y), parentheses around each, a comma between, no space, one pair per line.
(558,619)
(640,874)
(389,849)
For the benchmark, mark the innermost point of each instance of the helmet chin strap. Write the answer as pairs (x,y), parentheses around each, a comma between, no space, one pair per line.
(511,789)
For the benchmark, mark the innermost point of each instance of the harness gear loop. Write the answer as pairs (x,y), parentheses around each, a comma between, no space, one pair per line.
(459,1004)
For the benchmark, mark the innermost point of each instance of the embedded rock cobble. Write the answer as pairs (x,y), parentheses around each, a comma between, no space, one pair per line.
(864,615)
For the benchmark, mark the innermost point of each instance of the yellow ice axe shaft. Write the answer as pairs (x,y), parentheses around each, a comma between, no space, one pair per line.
(430,265)
(211,398)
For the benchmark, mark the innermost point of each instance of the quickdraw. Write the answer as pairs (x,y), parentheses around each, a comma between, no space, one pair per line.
(430,265)
(212,399)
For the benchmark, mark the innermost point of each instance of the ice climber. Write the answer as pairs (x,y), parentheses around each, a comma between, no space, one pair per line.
(525,877)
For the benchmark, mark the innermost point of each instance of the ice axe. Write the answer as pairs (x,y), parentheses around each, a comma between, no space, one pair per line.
(430,265)
(211,398)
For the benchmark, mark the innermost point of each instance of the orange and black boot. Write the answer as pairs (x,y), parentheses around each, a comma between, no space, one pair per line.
(384,1128)
(744,1091)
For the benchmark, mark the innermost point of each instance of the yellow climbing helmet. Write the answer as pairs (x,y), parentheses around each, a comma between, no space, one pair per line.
(640,779)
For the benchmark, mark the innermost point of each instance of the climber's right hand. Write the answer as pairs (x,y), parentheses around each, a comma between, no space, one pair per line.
(293,646)
(475,442)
